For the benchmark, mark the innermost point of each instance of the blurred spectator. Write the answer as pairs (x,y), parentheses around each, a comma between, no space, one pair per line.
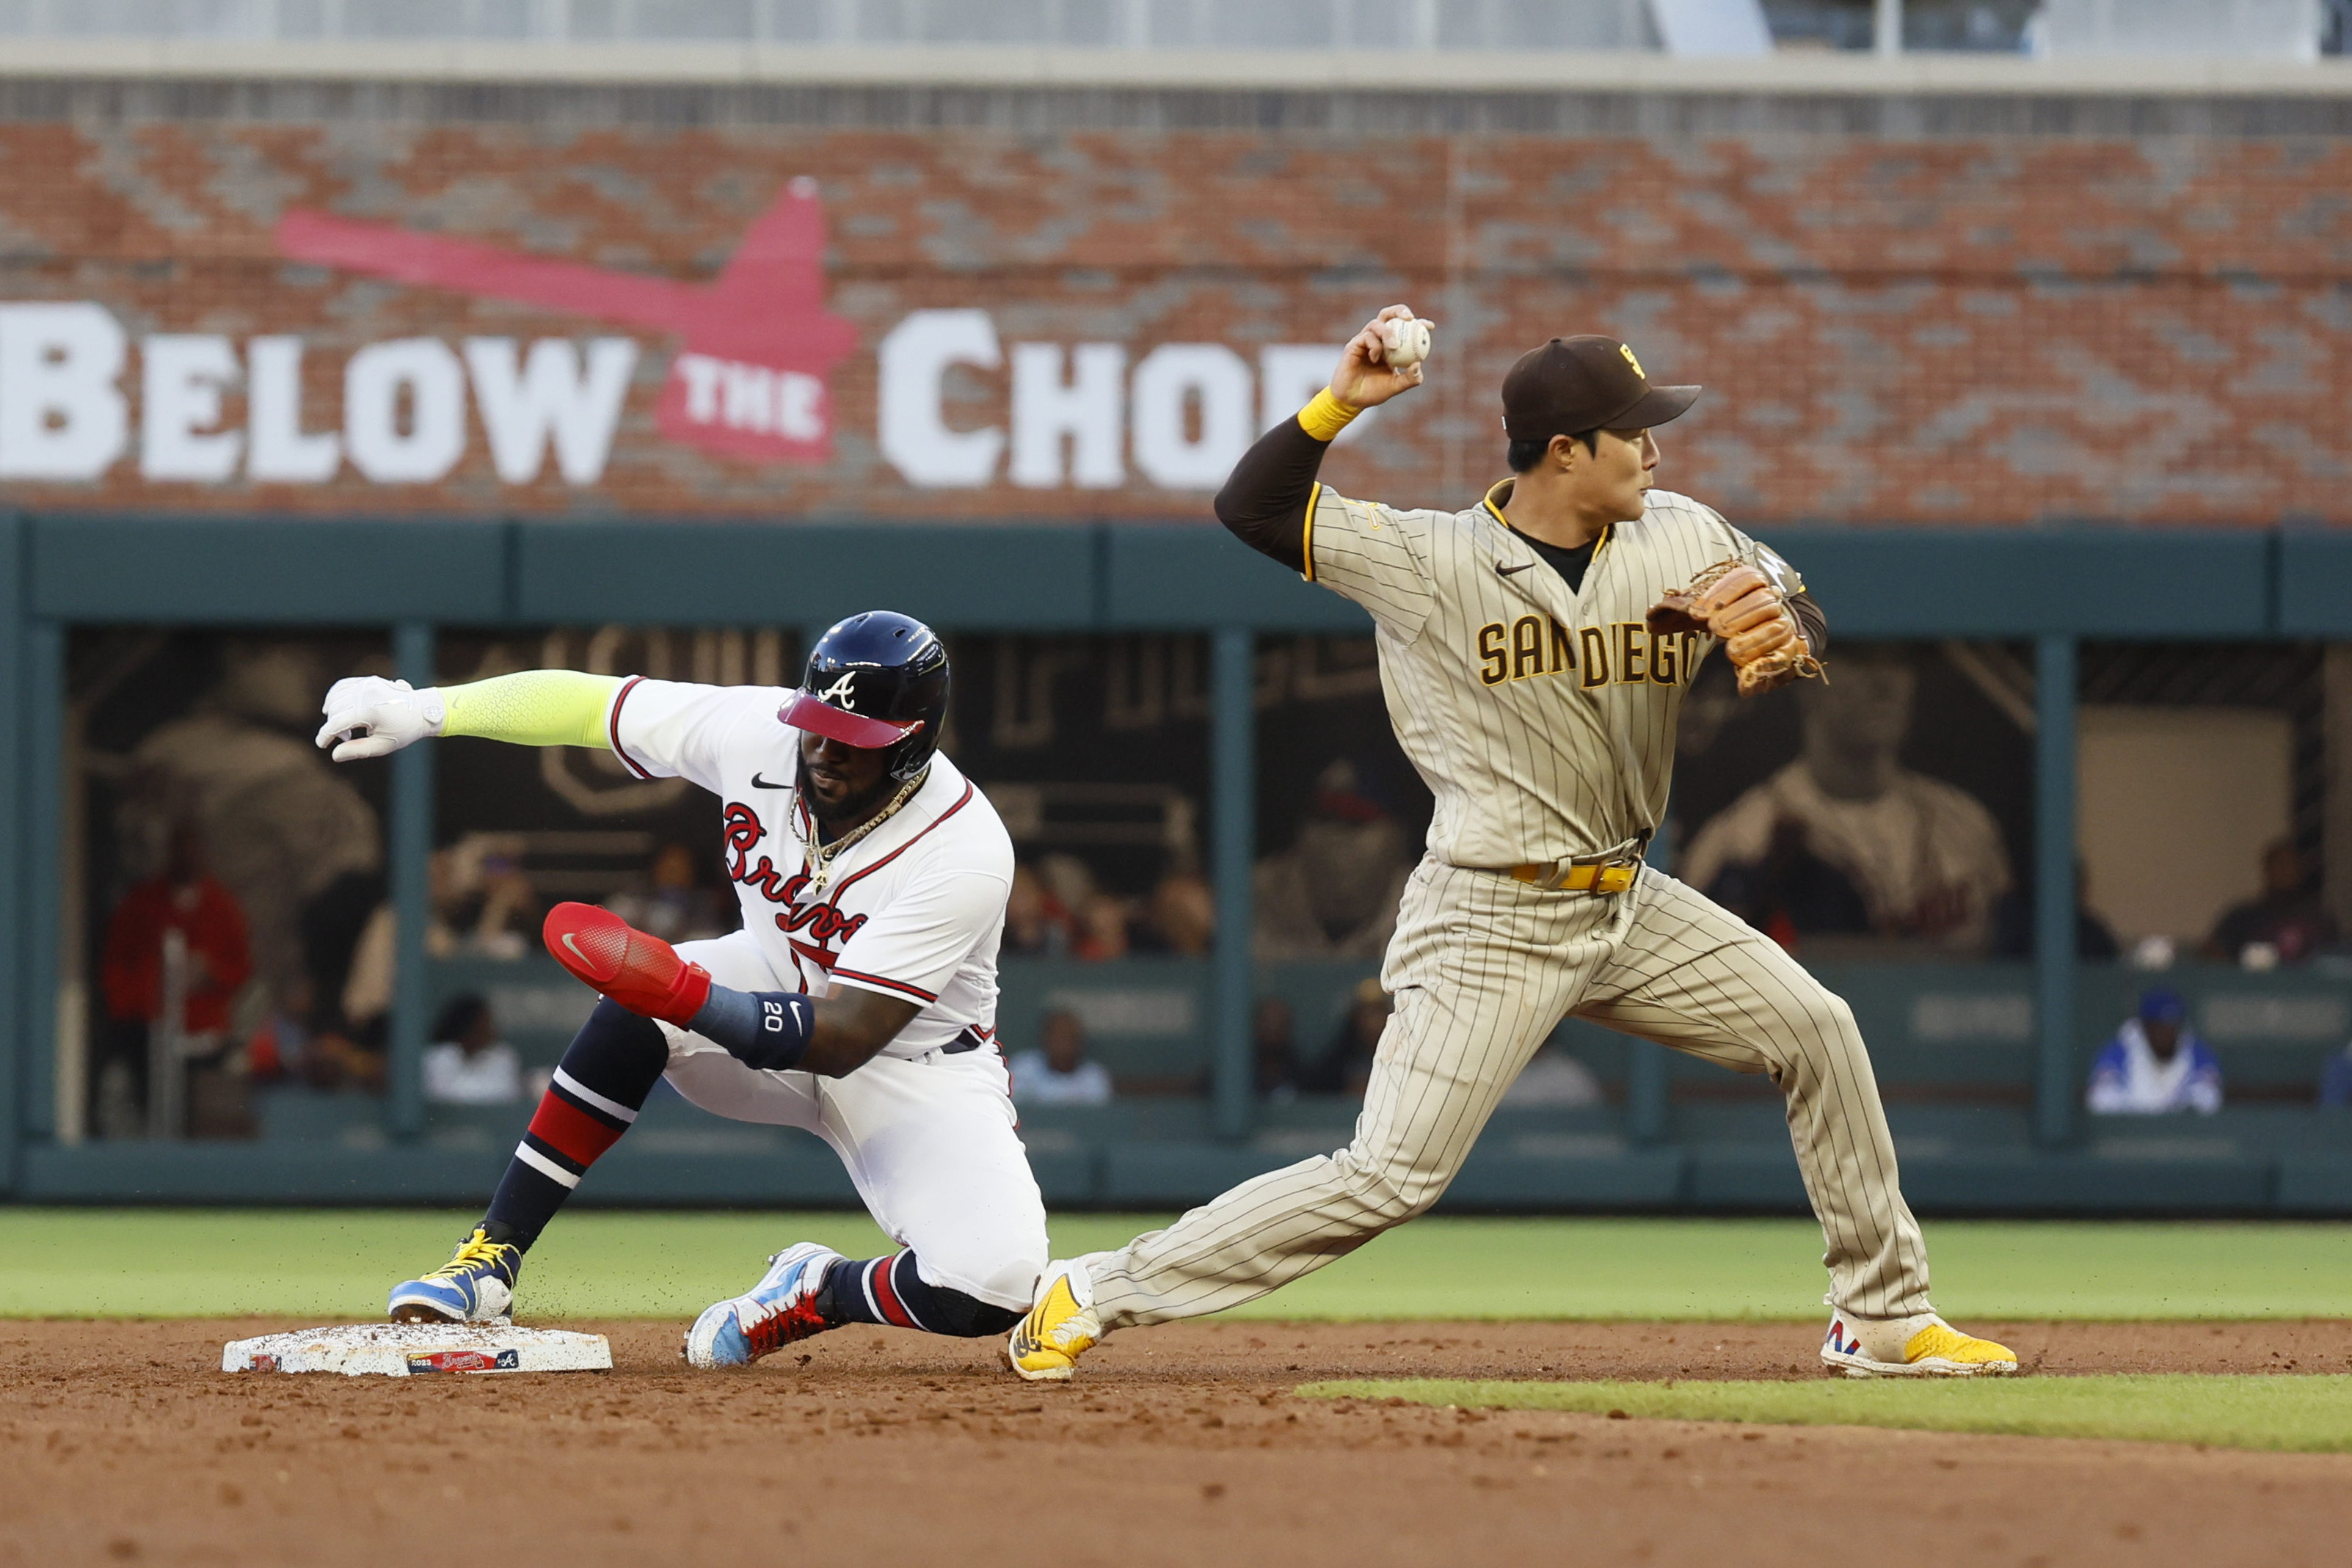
(1792,893)
(332,926)
(502,909)
(281,1040)
(180,910)
(1102,929)
(1347,1065)
(299,1038)
(1069,883)
(484,906)
(1098,921)
(183,897)
(334,1061)
(1924,858)
(2095,940)
(673,907)
(1060,1074)
(1274,1046)
(1180,918)
(2336,1080)
(366,1000)
(1035,922)
(1333,894)
(284,829)
(468,1064)
(2288,917)
(1552,1079)
(2156,1065)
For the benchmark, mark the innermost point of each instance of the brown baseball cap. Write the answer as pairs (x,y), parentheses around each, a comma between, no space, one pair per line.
(1589,383)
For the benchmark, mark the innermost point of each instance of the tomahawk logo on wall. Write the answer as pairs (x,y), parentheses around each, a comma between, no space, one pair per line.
(752,356)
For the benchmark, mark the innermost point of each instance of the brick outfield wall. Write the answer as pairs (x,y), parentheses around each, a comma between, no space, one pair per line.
(1958,332)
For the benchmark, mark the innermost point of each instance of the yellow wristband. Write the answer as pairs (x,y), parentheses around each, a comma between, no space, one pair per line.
(1326,416)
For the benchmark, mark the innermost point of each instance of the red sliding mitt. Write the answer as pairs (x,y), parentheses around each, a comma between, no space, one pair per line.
(641,973)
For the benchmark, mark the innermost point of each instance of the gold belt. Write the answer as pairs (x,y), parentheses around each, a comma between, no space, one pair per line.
(1614,877)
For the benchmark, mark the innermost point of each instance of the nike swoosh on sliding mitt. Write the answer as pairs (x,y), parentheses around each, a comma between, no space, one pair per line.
(641,973)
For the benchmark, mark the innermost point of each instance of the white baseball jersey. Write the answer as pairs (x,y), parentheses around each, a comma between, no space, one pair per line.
(1542,717)
(915,909)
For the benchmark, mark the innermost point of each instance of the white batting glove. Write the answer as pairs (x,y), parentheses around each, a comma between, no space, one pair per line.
(368,716)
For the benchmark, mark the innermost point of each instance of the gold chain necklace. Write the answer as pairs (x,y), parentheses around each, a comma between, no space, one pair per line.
(819,858)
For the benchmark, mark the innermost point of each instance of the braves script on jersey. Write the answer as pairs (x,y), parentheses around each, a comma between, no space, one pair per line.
(915,909)
(1542,717)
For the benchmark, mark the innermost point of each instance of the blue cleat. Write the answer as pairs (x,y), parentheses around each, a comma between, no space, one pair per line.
(476,1286)
(781,1308)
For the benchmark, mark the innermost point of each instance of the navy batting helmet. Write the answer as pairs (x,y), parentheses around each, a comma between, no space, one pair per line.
(877,680)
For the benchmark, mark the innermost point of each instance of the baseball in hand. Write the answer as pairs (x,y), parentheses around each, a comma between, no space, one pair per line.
(1404,341)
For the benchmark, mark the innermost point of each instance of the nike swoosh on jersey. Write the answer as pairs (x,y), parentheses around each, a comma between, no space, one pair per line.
(1501,570)
(759,783)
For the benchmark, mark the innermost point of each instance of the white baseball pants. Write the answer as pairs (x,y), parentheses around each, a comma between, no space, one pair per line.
(930,1142)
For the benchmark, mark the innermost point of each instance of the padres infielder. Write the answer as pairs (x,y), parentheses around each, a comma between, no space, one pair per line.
(858,1001)
(1534,664)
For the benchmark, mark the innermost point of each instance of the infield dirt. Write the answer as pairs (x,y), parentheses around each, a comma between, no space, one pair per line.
(122,1442)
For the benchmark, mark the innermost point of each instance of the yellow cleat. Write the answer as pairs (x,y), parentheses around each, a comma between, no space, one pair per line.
(1939,1350)
(1932,1349)
(1062,1327)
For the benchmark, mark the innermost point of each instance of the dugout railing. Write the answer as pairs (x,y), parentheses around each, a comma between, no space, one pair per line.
(2053,588)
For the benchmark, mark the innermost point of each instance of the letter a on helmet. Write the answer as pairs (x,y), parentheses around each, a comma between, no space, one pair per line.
(877,680)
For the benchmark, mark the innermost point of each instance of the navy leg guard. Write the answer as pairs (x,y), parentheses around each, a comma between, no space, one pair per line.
(607,1071)
(889,1290)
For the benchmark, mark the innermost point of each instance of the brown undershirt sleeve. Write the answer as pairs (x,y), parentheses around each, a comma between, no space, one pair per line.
(1815,624)
(1265,500)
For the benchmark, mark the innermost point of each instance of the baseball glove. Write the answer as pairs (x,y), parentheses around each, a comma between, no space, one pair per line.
(1741,608)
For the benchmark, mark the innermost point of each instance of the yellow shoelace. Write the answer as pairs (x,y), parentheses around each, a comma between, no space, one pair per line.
(475,1249)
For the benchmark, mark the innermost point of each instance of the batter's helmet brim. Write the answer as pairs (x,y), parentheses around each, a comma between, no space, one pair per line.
(804,712)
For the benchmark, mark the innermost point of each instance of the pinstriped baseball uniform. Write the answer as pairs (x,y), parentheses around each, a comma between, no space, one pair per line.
(1542,718)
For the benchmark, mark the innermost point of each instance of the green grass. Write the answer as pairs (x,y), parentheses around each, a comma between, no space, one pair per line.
(338,1263)
(2308,1415)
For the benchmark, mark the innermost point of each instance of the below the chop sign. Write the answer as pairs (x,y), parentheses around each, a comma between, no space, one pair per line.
(1078,415)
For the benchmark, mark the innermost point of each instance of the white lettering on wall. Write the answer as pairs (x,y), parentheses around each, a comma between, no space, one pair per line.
(914,432)
(1086,407)
(182,377)
(1192,414)
(278,450)
(1072,414)
(547,399)
(753,397)
(61,414)
(425,444)
(701,372)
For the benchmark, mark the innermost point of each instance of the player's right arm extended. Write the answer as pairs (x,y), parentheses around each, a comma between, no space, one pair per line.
(367,715)
(1265,500)
(1269,500)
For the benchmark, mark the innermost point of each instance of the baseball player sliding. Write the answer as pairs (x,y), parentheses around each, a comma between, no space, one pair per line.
(1534,664)
(857,1001)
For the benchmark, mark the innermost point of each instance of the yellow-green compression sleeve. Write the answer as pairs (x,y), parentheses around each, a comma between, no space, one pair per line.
(532,708)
